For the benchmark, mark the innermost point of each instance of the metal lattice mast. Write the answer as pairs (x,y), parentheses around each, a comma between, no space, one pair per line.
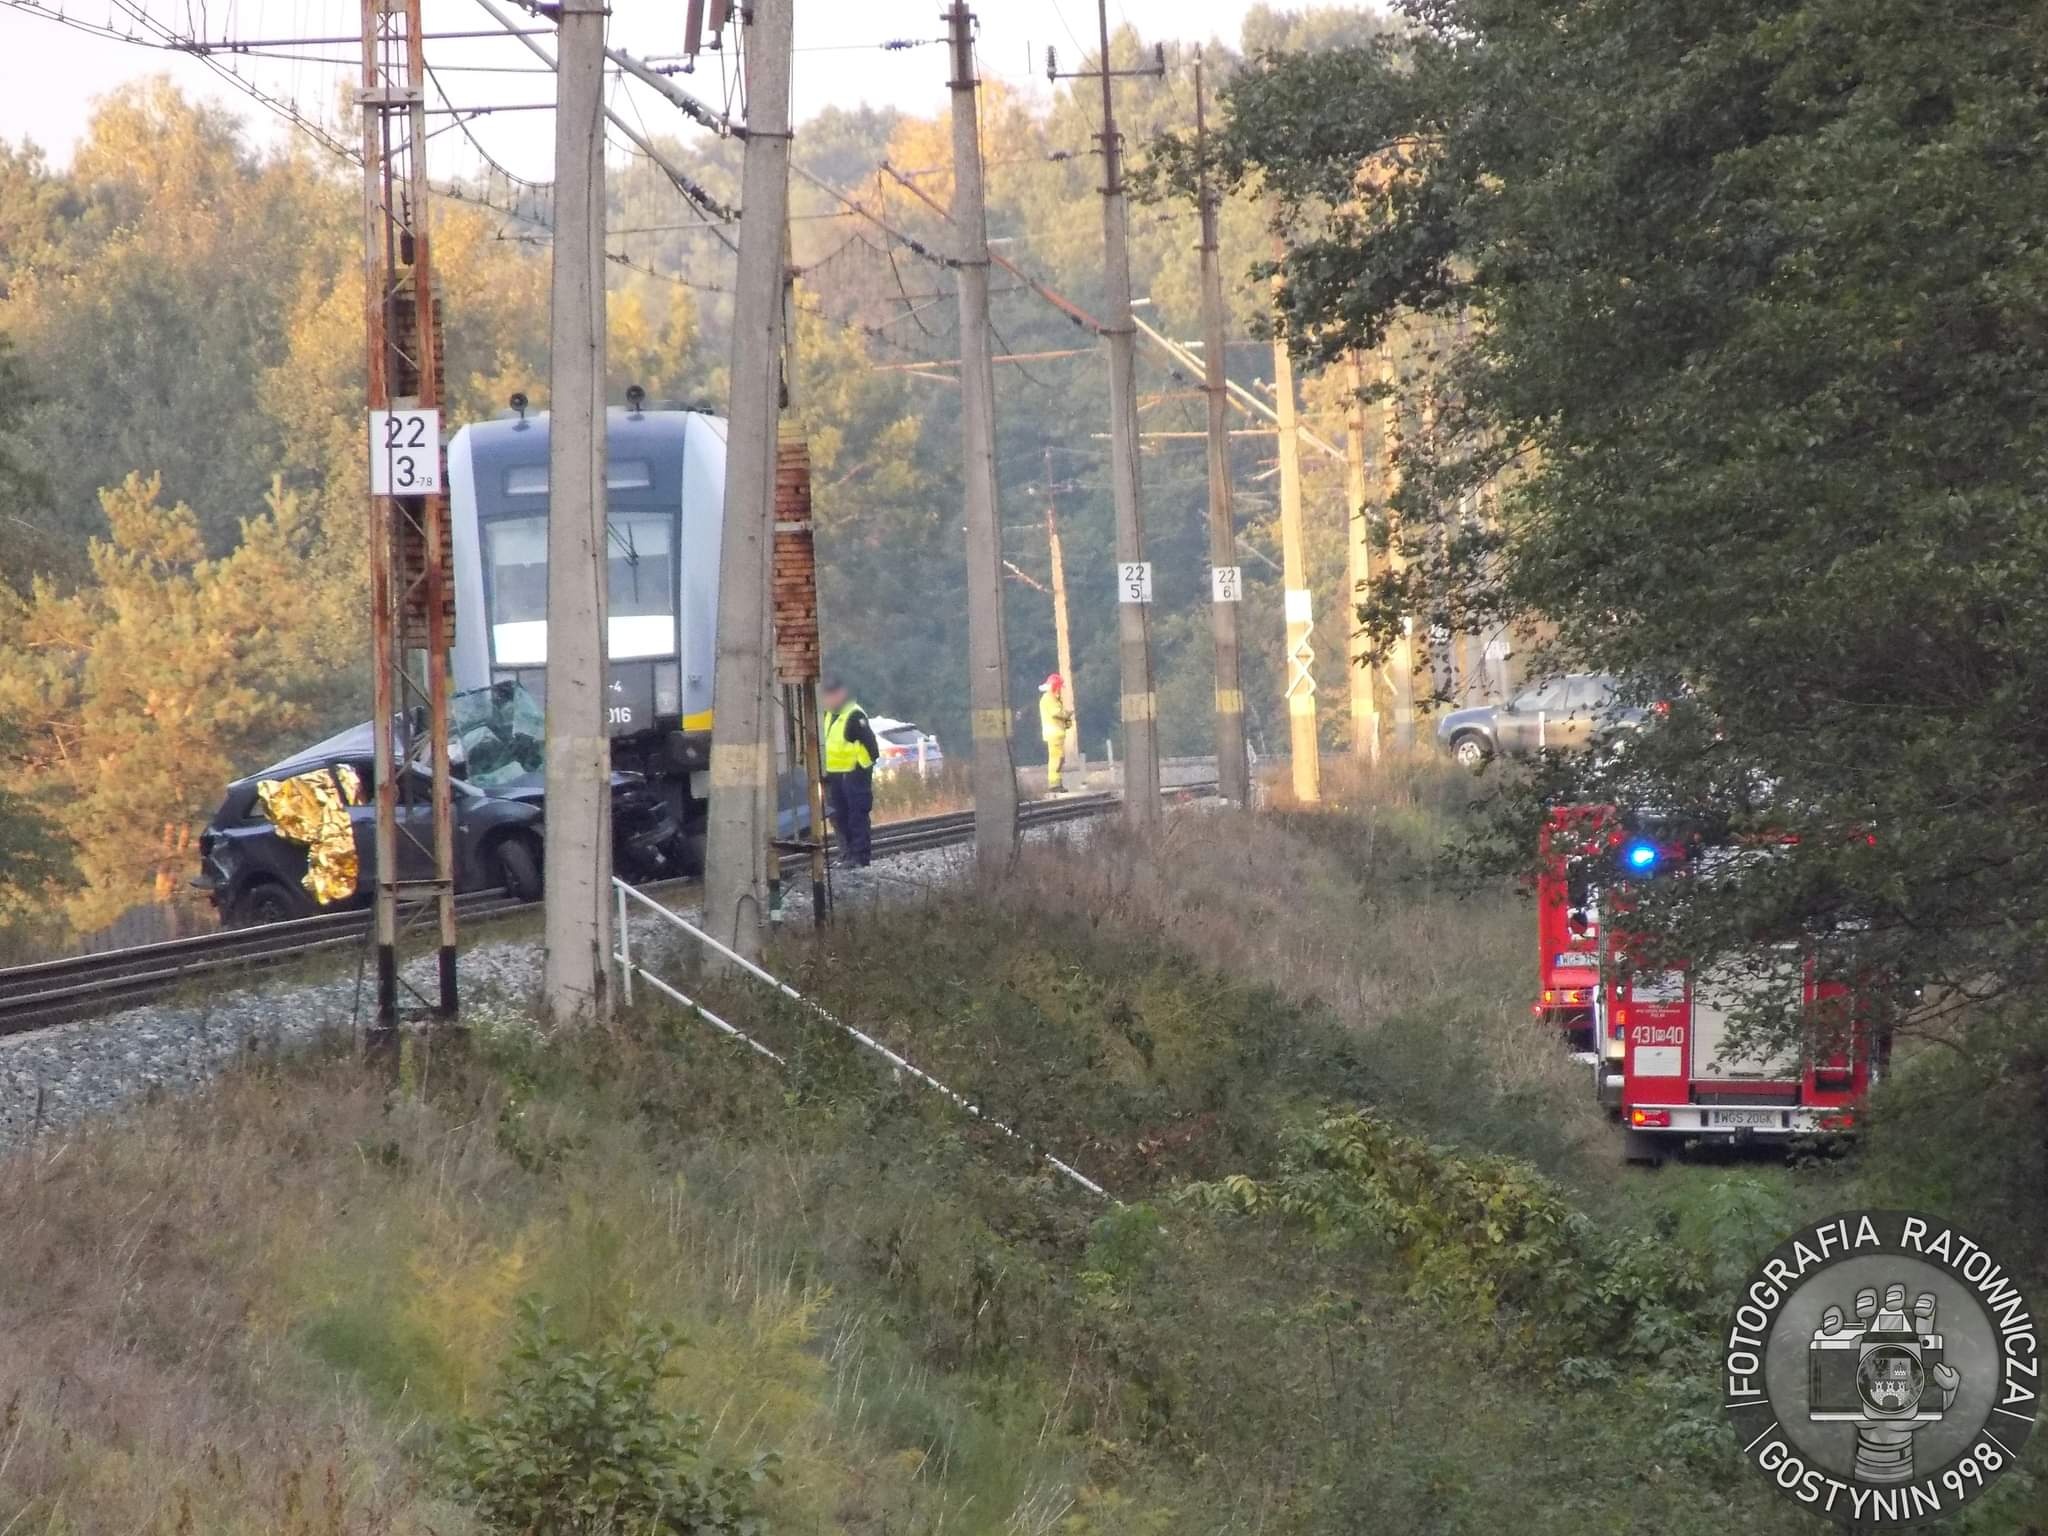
(411,593)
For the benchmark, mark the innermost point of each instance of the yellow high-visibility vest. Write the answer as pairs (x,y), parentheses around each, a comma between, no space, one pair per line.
(842,755)
(1053,718)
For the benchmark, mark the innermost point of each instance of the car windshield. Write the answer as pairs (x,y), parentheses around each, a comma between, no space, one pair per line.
(1550,696)
(903,736)
(500,730)
(1594,692)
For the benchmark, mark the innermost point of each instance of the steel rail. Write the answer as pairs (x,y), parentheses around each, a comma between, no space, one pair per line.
(62,991)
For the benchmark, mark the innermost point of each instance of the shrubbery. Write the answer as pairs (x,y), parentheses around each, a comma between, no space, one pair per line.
(1483,1238)
(580,1445)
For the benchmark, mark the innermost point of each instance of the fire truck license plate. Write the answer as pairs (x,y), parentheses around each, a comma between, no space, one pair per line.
(1745,1117)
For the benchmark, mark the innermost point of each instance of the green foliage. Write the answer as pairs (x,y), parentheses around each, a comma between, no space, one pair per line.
(1764,286)
(579,1444)
(1483,1238)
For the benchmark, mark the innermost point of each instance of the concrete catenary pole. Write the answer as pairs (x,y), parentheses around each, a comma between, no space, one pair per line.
(577,922)
(742,746)
(1140,707)
(1300,612)
(1365,715)
(995,775)
(1226,585)
(1401,655)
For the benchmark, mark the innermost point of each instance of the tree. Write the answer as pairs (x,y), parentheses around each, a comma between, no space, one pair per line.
(143,692)
(155,298)
(1764,286)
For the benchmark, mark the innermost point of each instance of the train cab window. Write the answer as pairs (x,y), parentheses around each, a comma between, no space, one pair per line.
(643,584)
(619,475)
(516,555)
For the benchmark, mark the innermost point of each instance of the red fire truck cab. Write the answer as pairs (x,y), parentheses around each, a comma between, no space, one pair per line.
(1667,1068)
(1567,919)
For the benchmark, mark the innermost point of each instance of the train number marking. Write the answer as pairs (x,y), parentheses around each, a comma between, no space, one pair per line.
(618,714)
(405,453)
(1134,581)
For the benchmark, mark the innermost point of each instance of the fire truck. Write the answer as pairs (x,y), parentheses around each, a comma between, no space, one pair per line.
(1664,1062)
(1567,921)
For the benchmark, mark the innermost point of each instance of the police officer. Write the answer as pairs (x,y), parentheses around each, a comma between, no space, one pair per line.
(1055,721)
(850,753)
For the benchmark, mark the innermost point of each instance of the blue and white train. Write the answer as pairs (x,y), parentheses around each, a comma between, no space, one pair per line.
(665,502)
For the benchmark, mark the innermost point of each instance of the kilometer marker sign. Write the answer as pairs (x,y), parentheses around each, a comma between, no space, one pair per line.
(405,453)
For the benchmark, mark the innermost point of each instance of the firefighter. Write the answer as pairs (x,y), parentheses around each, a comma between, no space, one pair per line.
(850,753)
(1055,720)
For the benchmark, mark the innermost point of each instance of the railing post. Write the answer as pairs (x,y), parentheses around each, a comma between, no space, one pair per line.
(625,944)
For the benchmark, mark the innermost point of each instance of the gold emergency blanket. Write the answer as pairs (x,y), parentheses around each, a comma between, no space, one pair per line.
(312,808)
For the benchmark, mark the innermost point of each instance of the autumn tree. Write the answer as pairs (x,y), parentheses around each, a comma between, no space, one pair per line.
(166,674)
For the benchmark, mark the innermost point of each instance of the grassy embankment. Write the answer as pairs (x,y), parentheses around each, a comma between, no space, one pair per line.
(269,1309)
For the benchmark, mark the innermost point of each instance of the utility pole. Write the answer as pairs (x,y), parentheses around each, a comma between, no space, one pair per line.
(1401,656)
(1226,583)
(1063,646)
(995,776)
(575,978)
(1365,716)
(1140,705)
(411,591)
(742,747)
(1301,680)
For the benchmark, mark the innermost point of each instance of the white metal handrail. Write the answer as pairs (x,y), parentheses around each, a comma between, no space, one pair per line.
(627,970)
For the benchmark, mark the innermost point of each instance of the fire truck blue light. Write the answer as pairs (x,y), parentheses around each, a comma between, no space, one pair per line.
(1641,857)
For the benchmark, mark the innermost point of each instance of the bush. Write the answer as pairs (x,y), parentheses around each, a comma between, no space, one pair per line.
(579,1444)
(1484,1239)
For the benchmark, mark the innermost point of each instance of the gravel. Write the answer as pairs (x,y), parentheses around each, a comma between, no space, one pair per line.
(60,1076)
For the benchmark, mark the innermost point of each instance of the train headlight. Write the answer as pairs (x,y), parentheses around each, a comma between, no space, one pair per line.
(668,688)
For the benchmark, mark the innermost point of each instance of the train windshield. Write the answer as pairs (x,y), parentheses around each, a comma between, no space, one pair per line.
(643,584)
(642,565)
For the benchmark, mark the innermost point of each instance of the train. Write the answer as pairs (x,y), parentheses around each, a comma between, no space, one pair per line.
(665,498)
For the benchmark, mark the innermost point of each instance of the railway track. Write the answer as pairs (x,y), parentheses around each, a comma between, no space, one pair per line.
(81,986)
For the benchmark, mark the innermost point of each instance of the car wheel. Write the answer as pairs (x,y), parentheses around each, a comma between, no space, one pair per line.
(264,902)
(1471,751)
(519,869)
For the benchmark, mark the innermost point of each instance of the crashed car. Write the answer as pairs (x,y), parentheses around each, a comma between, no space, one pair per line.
(495,740)
(299,837)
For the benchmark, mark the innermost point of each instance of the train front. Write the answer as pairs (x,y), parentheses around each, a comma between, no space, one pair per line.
(665,476)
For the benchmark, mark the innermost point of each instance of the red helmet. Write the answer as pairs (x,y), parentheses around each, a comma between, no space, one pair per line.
(1052,682)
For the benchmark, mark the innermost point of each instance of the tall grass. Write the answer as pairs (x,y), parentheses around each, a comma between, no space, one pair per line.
(263,1309)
